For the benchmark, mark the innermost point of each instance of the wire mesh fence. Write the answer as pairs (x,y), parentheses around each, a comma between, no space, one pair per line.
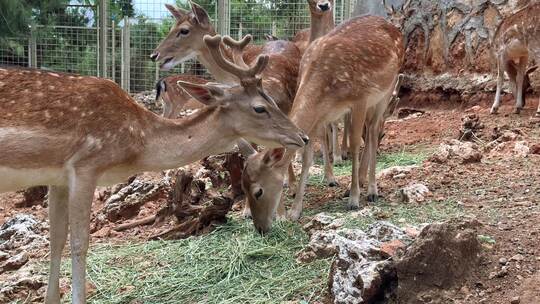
(73,43)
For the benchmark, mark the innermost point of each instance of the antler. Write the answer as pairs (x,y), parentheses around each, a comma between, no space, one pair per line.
(243,73)
(237,48)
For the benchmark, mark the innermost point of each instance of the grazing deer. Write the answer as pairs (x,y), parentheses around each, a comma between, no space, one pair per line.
(352,68)
(516,39)
(74,133)
(174,97)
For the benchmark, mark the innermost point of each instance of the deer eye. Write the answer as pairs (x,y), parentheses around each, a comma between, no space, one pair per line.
(183,32)
(259,193)
(259,109)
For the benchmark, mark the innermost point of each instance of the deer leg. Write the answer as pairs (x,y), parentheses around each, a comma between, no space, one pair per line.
(520,77)
(81,194)
(307,161)
(500,78)
(291,179)
(328,165)
(58,219)
(357,126)
(364,165)
(336,150)
(371,145)
(345,139)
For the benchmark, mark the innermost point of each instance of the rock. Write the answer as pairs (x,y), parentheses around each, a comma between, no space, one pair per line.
(471,128)
(384,231)
(409,113)
(466,152)
(503,261)
(33,196)
(127,202)
(22,232)
(3,255)
(521,149)
(15,262)
(23,284)
(440,257)
(323,221)
(413,193)
(515,300)
(393,248)
(518,257)
(394,172)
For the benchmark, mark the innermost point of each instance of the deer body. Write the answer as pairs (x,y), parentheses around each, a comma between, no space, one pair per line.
(352,68)
(516,40)
(73,133)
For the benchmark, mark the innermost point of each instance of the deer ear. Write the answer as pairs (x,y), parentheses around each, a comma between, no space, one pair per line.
(389,8)
(246,149)
(200,15)
(274,156)
(207,94)
(178,13)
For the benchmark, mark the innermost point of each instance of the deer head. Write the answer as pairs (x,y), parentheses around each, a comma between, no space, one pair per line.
(184,38)
(319,7)
(262,182)
(248,98)
(397,14)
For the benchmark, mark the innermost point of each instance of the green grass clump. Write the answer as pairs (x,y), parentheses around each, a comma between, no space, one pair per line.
(232,264)
(384,161)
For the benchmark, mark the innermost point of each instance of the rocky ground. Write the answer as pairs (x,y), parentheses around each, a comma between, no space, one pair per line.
(484,166)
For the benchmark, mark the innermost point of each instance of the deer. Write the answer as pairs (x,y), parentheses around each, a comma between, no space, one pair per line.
(184,42)
(174,97)
(517,39)
(353,68)
(322,21)
(73,133)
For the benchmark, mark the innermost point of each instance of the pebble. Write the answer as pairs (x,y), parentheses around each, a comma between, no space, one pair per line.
(515,300)
(518,257)
(503,261)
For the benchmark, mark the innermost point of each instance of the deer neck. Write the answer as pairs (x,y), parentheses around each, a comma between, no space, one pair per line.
(321,25)
(219,74)
(175,143)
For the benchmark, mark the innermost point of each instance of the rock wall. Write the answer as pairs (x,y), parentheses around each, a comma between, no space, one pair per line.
(449,37)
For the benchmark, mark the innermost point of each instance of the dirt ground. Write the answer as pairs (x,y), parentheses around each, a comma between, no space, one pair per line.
(502,192)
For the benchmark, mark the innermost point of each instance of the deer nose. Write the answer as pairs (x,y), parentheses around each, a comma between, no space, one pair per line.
(305,139)
(154,56)
(324,7)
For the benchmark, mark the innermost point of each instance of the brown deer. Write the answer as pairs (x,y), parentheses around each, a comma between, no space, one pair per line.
(174,98)
(352,68)
(322,21)
(74,133)
(516,40)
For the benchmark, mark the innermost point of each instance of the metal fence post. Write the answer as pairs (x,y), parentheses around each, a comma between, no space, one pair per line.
(126,56)
(103,18)
(113,51)
(32,49)
(224,17)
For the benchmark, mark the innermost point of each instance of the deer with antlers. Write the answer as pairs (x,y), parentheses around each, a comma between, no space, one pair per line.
(352,68)
(516,40)
(74,133)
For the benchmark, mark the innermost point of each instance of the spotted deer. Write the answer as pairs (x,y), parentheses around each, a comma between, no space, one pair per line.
(515,41)
(174,98)
(352,68)
(73,133)
(279,78)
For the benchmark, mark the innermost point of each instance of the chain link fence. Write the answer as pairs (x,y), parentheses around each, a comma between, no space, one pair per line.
(75,42)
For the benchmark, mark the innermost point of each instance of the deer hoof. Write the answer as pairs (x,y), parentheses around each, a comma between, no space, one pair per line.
(517,110)
(372,198)
(493,111)
(294,215)
(333,184)
(353,204)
